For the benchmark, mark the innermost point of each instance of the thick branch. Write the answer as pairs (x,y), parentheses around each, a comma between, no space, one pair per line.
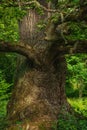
(26,51)
(73,47)
(53,30)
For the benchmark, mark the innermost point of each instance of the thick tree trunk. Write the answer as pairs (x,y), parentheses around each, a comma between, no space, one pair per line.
(38,94)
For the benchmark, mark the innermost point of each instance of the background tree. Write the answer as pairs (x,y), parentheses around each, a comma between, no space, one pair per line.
(39,93)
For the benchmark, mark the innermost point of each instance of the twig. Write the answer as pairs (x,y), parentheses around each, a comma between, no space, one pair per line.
(38,5)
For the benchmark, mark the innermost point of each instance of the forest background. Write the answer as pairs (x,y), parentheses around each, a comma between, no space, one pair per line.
(76,81)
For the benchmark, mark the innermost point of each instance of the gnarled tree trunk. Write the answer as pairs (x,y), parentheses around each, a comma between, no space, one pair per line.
(38,94)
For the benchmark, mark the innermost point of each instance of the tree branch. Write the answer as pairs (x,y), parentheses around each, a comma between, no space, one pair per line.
(72,47)
(53,32)
(36,3)
(26,51)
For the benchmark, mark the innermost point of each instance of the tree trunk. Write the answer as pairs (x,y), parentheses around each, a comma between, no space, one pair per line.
(39,93)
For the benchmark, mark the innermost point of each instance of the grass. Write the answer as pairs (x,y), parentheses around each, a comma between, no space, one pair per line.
(79,105)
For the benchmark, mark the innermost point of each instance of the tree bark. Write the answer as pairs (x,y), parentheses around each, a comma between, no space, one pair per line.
(39,93)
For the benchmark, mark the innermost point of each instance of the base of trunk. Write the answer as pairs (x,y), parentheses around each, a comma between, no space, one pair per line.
(42,123)
(39,95)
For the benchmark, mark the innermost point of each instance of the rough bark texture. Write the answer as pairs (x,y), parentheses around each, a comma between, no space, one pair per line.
(38,94)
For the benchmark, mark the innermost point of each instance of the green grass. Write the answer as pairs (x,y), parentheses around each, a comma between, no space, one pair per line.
(79,105)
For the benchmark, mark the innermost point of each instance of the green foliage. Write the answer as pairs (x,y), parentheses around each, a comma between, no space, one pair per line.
(79,105)
(3,122)
(4,87)
(71,123)
(9,33)
(78,31)
(76,75)
(67,122)
(4,96)
(9,22)
(7,67)
(74,2)
(82,124)
(8,25)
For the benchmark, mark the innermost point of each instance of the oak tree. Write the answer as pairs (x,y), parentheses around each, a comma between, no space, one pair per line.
(45,39)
